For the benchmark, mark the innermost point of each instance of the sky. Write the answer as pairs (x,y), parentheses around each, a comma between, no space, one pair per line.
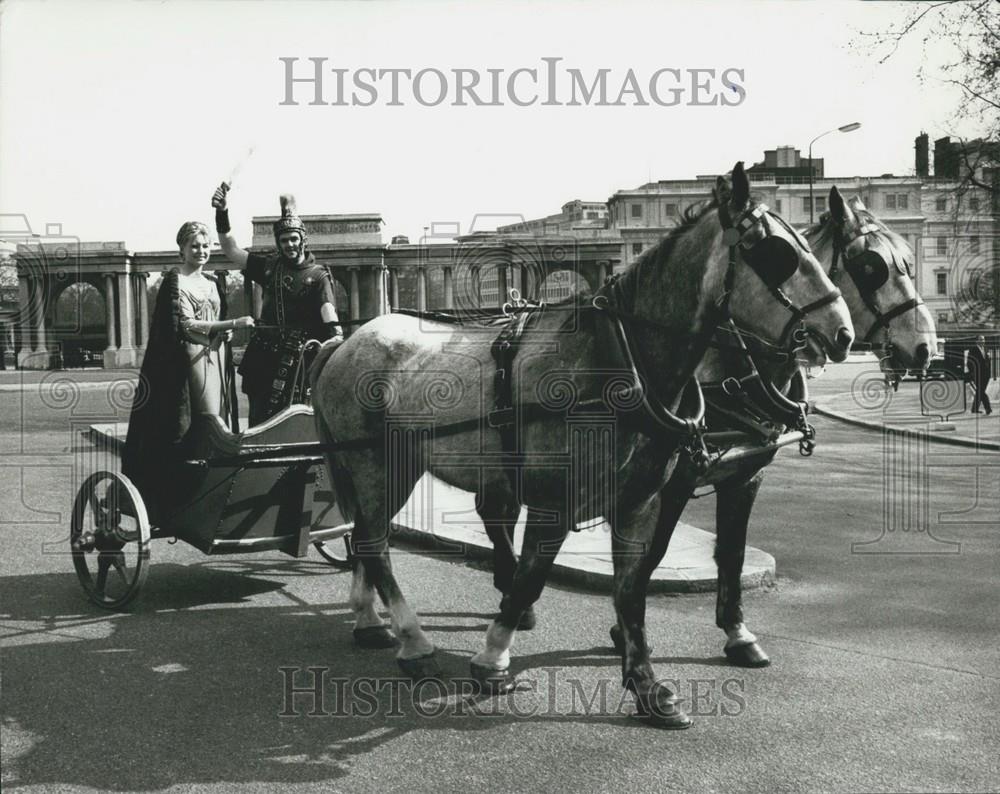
(119,119)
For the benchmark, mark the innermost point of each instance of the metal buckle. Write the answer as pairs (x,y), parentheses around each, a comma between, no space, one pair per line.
(732,387)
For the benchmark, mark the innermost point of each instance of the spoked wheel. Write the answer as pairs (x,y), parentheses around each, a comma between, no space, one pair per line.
(109,539)
(337,551)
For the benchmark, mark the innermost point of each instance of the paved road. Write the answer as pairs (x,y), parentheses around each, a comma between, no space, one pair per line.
(886,673)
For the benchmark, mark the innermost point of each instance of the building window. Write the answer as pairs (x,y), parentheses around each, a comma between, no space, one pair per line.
(637,210)
(973,245)
(591,215)
(974,204)
(820,204)
(670,209)
(903,201)
(942,245)
(777,206)
(941,205)
(636,249)
(942,283)
(890,201)
(944,317)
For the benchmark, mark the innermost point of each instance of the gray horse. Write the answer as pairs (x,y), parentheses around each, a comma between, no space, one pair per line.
(873,267)
(393,395)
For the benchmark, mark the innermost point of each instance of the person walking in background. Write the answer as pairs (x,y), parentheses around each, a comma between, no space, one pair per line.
(977,364)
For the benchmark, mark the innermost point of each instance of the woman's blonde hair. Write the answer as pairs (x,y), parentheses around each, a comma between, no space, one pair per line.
(189,230)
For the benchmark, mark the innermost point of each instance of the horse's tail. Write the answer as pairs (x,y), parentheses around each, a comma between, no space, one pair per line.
(340,478)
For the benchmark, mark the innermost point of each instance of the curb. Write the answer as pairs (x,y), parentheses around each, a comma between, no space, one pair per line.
(593,574)
(959,441)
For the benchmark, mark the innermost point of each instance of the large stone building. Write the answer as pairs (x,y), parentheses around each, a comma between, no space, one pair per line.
(952,225)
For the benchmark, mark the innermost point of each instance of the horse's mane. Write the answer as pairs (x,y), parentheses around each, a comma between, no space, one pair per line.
(657,255)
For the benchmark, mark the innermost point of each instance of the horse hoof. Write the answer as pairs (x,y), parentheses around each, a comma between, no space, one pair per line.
(527,621)
(618,640)
(660,708)
(749,655)
(492,681)
(421,667)
(374,637)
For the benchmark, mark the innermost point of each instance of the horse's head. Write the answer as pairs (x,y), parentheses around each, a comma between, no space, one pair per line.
(777,289)
(872,266)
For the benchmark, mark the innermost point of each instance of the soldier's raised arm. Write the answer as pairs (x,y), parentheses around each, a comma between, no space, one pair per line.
(234,253)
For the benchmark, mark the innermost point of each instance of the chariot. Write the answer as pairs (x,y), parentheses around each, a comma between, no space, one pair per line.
(261,490)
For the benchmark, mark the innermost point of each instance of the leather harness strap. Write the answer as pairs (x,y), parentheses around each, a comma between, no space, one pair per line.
(882,319)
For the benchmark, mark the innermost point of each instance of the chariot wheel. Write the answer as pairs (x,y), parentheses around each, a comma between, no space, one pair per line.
(337,551)
(109,539)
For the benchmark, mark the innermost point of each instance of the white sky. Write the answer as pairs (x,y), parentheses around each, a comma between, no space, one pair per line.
(119,119)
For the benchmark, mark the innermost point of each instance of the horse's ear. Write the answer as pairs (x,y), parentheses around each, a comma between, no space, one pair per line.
(741,185)
(722,191)
(838,208)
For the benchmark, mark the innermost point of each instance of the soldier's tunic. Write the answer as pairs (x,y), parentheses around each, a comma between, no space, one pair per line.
(290,316)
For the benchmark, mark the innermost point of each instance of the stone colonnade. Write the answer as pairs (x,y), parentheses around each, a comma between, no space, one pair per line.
(369,273)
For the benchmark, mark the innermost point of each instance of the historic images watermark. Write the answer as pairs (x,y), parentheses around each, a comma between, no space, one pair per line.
(546,693)
(318,81)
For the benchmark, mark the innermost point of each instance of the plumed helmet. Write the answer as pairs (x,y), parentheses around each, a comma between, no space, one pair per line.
(289,220)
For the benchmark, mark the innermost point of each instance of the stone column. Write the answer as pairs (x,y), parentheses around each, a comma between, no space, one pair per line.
(126,315)
(421,289)
(394,288)
(111,351)
(355,294)
(142,297)
(449,290)
(41,340)
(24,320)
(502,285)
(377,297)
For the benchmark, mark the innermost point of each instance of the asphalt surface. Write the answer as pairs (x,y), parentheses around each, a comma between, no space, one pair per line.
(885,674)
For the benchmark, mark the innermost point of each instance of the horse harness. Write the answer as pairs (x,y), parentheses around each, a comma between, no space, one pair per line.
(750,389)
(869,271)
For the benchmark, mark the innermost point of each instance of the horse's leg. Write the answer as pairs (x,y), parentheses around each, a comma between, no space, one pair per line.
(639,540)
(376,505)
(543,538)
(499,510)
(735,500)
(370,630)
(679,487)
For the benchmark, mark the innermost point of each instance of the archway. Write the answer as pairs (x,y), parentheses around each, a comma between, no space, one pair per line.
(79,325)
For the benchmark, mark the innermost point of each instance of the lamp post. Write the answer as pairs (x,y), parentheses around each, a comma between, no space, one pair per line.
(846,128)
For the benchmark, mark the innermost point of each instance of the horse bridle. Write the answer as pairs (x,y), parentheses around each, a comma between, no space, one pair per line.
(866,292)
(734,236)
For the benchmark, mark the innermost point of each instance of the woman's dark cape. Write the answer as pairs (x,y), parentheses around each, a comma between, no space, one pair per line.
(161,411)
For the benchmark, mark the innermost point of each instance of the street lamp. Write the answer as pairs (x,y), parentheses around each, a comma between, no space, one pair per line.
(846,128)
